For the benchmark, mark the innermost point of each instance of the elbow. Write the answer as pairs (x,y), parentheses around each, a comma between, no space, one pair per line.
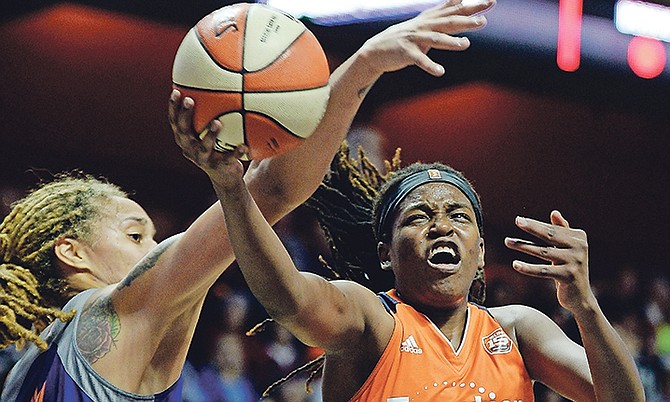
(285,309)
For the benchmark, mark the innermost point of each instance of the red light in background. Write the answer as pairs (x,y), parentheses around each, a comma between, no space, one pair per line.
(646,57)
(569,34)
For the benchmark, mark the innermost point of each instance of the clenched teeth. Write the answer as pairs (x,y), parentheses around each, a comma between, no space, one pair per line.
(442,249)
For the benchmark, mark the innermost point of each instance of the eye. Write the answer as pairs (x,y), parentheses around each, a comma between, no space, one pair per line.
(416,218)
(136,237)
(461,217)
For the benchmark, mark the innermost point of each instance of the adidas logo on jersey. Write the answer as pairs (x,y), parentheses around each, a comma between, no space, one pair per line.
(409,345)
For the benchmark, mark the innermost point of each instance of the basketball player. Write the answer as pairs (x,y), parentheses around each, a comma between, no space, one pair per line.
(426,339)
(108,314)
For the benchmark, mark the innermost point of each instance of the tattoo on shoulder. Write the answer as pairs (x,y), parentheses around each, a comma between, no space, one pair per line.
(98,329)
(147,262)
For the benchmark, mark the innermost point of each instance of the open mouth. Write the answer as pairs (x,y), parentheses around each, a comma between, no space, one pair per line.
(444,256)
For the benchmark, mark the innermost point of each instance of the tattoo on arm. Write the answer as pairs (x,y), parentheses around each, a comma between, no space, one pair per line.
(98,329)
(147,262)
(364,91)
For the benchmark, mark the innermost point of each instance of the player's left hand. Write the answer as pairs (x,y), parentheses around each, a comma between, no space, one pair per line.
(407,43)
(566,249)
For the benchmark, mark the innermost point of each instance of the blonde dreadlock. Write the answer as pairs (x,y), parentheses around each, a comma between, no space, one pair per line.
(345,205)
(31,288)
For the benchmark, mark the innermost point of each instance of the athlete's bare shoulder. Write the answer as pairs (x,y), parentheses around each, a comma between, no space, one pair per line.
(98,327)
(509,316)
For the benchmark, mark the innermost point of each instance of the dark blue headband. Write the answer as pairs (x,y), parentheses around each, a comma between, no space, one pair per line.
(398,192)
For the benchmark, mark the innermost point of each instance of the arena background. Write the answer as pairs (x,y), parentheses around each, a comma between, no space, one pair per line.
(84,85)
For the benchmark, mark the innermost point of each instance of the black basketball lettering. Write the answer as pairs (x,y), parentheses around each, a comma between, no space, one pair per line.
(268,28)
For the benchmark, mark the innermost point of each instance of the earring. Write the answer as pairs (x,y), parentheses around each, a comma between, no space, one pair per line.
(385,264)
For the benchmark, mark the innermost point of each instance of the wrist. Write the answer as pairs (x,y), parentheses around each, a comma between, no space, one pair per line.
(367,69)
(586,309)
(229,187)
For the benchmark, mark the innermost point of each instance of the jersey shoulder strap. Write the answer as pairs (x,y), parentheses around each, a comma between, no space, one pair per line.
(388,302)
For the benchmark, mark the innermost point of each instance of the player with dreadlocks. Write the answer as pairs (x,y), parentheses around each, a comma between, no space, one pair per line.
(427,338)
(343,205)
(27,237)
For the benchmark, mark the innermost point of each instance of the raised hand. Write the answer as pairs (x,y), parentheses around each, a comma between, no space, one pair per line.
(566,249)
(223,168)
(408,43)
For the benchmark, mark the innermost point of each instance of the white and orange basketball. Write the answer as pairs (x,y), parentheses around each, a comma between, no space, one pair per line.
(258,70)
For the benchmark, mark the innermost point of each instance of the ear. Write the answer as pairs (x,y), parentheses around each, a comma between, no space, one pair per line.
(384,254)
(71,252)
(481,253)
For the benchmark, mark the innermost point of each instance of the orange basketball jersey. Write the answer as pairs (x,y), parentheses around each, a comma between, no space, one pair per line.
(419,363)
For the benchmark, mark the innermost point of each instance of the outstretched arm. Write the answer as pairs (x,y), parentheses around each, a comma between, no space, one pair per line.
(397,47)
(273,182)
(612,369)
(158,303)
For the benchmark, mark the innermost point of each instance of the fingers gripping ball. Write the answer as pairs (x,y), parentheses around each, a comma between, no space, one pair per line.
(260,71)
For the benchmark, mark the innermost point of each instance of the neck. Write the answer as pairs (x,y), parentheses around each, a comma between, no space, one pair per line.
(450,320)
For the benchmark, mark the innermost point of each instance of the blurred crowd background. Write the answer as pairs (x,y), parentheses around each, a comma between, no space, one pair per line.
(227,365)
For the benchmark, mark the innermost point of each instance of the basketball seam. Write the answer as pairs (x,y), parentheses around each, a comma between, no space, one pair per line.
(277,122)
(251,92)
(302,89)
(211,56)
(201,89)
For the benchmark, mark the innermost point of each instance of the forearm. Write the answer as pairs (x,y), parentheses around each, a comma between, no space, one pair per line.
(613,370)
(263,260)
(195,261)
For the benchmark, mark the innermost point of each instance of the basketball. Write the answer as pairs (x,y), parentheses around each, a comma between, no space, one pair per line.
(259,71)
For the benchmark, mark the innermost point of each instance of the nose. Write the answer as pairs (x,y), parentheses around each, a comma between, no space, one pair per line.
(441,227)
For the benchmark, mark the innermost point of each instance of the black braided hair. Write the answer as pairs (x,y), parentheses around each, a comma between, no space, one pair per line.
(343,205)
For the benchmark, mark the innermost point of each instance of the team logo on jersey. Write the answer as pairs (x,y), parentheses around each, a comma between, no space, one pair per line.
(497,342)
(409,345)
(434,174)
